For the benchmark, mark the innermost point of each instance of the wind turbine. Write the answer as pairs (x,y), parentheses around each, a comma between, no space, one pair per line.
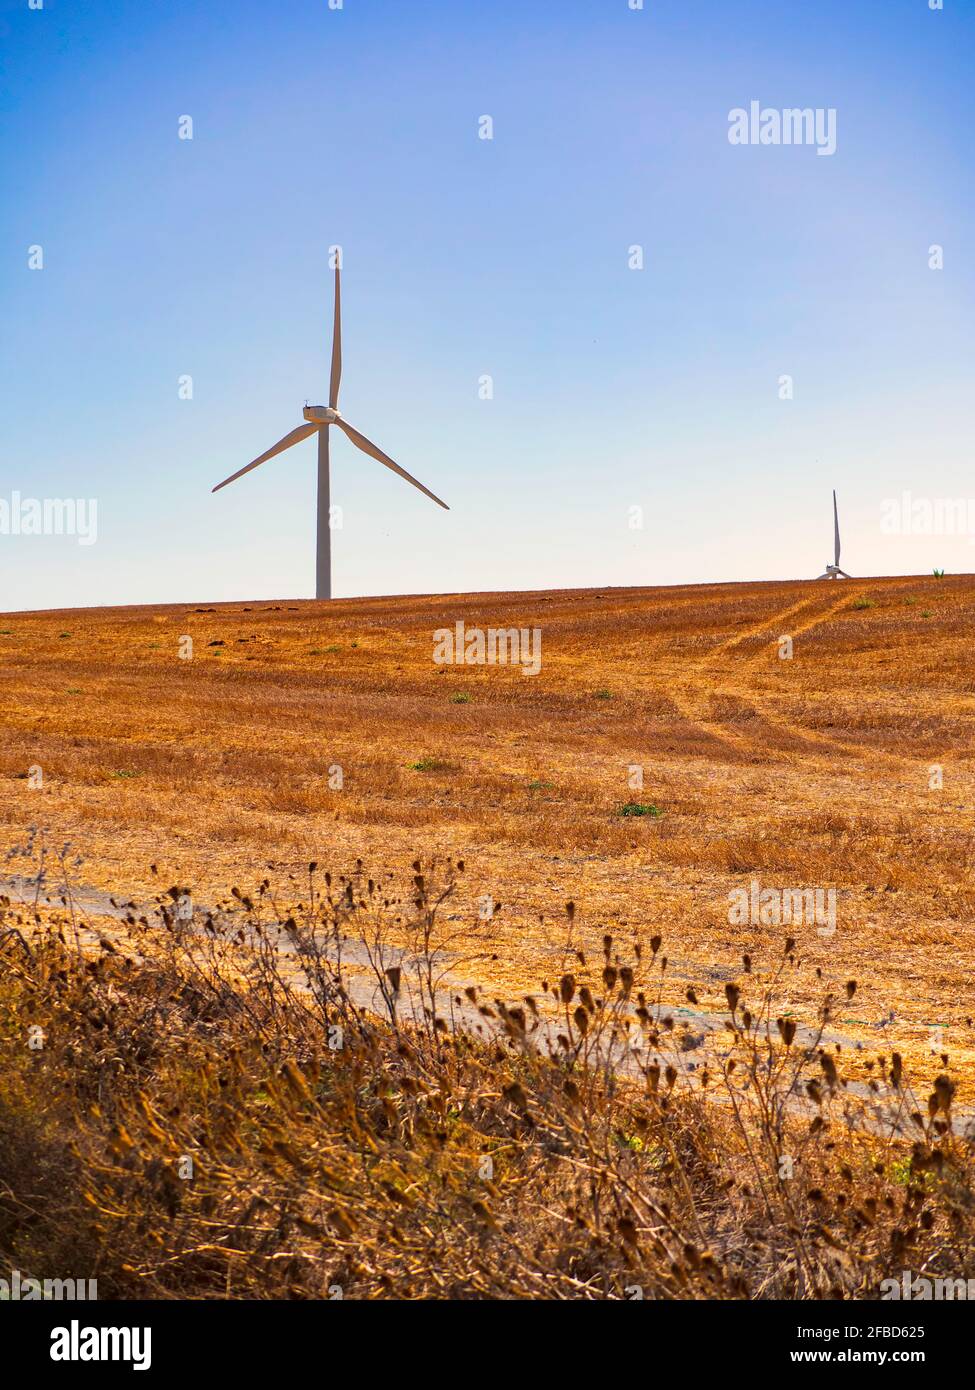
(319,419)
(833,571)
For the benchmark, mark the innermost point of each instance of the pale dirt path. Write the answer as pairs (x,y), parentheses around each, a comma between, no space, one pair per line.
(695,1031)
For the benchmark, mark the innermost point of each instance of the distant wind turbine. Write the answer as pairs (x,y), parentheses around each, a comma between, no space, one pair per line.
(319,419)
(833,571)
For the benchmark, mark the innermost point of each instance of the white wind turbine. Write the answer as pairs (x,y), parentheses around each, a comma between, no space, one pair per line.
(319,419)
(833,571)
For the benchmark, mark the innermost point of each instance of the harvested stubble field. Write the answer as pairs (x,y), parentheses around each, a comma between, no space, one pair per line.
(238,1102)
(815,772)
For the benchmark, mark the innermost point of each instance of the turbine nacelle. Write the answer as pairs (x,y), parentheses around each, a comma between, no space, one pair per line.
(321,414)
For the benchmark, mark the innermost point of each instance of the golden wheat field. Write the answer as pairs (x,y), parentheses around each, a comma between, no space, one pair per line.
(820,771)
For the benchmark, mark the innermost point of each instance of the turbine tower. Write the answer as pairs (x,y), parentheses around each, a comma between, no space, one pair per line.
(833,571)
(319,419)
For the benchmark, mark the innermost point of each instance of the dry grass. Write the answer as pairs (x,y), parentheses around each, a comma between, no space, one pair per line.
(203,1110)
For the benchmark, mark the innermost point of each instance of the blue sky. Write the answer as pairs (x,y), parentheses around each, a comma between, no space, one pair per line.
(613,388)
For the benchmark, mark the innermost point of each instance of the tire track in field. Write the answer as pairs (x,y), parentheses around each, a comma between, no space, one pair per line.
(755,630)
(816,741)
(694,709)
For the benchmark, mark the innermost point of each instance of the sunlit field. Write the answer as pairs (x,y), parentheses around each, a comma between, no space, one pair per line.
(301,732)
(326,967)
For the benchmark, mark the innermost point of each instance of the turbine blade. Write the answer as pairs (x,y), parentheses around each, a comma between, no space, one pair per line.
(333,389)
(295,437)
(367,447)
(836,529)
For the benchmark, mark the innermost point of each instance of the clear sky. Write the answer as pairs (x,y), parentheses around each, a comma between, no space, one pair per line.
(613,387)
